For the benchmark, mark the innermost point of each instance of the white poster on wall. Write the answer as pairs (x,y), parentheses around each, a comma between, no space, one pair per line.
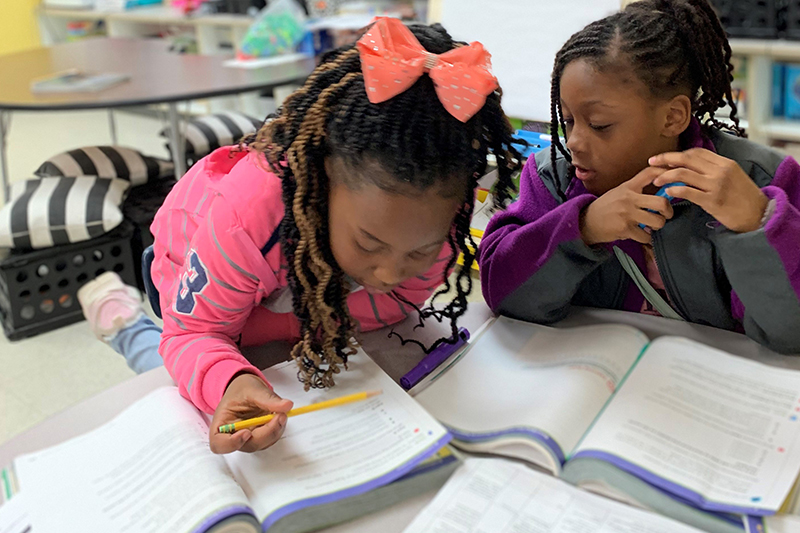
(523,37)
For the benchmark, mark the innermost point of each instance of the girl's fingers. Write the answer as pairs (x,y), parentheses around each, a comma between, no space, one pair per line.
(684,175)
(695,196)
(266,435)
(653,221)
(656,203)
(226,443)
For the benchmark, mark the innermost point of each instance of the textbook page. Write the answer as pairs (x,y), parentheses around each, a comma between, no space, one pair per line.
(15,516)
(149,470)
(328,455)
(491,495)
(720,431)
(521,376)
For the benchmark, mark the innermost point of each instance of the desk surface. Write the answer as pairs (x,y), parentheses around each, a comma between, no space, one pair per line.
(157,75)
(393,358)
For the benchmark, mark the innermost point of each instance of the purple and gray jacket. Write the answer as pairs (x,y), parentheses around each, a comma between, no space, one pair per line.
(535,266)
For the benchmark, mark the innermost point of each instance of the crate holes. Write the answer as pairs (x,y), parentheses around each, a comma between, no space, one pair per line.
(97,255)
(65,301)
(25,294)
(78,260)
(42,271)
(63,283)
(119,267)
(44,289)
(116,251)
(60,266)
(47,306)
(27,312)
(21,276)
(82,277)
(99,272)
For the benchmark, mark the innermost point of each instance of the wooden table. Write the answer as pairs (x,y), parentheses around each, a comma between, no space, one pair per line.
(157,76)
(396,360)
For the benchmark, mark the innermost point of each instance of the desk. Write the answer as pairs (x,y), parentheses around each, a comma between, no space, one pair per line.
(157,76)
(396,360)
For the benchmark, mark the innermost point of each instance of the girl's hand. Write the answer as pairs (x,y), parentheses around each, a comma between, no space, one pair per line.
(715,183)
(247,396)
(617,214)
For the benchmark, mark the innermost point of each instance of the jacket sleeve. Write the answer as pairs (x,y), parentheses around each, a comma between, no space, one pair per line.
(374,311)
(763,267)
(532,257)
(208,305)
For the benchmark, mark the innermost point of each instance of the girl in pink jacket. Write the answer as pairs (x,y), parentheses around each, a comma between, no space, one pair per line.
(344,213)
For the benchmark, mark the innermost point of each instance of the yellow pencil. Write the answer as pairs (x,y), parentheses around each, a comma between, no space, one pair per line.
(261,420)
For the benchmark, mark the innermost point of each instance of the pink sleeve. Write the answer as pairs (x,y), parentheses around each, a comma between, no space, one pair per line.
(374,311)
(222,280)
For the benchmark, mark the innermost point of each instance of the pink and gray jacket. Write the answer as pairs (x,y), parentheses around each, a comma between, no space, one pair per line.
(535,266)
(221,275)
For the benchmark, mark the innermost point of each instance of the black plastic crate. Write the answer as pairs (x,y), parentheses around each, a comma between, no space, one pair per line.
(792,19)
(38,289)
(756,19)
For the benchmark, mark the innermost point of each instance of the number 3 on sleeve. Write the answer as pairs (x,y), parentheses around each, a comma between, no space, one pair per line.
(193,281)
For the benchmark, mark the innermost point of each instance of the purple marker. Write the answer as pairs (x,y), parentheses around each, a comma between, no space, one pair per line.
(433,360)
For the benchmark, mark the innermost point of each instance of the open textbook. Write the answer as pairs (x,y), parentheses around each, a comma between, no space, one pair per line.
(150,469)
(489,495)
(670,425)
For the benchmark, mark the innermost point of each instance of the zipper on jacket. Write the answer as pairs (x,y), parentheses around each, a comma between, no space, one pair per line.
(666,274)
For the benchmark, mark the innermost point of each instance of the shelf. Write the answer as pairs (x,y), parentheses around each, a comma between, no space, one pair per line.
(780,49)
(785,130)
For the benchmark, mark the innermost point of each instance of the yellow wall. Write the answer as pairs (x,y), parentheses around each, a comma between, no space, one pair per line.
(18,27)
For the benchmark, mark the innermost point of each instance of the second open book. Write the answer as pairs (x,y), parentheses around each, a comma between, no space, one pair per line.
(671,425)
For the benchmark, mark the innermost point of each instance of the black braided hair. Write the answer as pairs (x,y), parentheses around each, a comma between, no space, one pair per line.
(411,136)
(674,46)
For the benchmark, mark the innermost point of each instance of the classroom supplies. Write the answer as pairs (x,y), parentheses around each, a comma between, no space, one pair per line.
(689,431)
(431,361)
(150,469)
(792,91)
(77,81)
(486,495)
(663,193)
(327,404)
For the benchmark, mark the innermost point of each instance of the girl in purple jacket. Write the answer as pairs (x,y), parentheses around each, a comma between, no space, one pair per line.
(635,95)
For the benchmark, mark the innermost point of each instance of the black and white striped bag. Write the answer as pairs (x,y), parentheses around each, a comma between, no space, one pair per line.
(205,134)
(51,211)
(107,162)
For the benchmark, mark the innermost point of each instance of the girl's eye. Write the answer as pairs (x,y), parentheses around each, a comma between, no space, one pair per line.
(569,121)
(365,249)
(600,127)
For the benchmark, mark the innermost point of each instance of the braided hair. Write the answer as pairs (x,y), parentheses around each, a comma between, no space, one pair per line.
(673,46)
(416,140)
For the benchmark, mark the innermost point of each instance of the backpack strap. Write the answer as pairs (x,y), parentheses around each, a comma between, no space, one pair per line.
(273,240)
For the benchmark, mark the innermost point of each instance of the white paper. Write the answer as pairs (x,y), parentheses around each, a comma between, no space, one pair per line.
(328,451)
(493,495)
(523,37)
(149,470)
(523,375)
(722,426)
(15,515)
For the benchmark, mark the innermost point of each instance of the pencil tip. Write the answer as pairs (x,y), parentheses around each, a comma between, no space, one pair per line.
(372,393)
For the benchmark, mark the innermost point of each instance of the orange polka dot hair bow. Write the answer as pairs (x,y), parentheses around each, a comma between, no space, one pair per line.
(392,60)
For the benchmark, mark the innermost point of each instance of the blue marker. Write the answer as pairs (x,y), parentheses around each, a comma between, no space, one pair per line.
(663,193)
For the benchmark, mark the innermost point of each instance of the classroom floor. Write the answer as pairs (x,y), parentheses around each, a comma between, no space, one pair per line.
(45,374)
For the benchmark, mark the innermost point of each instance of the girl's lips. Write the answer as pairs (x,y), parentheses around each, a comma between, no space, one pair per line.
(584,174)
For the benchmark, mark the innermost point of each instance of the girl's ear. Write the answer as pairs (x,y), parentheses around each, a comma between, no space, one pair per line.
(678,116)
